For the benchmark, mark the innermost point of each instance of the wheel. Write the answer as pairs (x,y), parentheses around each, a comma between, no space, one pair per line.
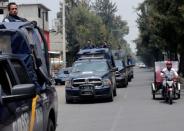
(170,98)
(111,97)
(153,90)
(178,94)
(126,83)
(129,79)
(68,100)
(50,125)
(114,92)
(153,95)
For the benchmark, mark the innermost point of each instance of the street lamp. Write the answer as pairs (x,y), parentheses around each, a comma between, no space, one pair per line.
(64,39)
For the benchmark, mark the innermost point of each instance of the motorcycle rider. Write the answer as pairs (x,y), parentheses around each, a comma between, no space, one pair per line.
(168,72)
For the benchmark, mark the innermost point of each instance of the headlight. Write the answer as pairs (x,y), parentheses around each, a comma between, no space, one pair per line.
(68,83)
(106,82)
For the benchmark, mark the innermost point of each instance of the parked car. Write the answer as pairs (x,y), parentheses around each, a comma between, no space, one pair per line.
(28,100)
(121,74)
(91,78)
(62,75)
(142,65)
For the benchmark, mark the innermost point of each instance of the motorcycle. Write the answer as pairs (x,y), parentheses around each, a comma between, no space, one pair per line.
(171,89)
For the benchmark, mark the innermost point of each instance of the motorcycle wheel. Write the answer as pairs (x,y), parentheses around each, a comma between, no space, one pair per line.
(170,98)
(153,93)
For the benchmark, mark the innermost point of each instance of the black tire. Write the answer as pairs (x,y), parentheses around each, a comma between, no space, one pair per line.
(153,95)
(179,95)
(126,83)
(170,98)
(114,92)
(68,101)
(50,125)
(129,79)
(111,97)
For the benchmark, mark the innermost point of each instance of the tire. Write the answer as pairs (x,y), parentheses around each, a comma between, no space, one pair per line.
(170,98)
(179,95)
(114,92)
(111,97)
(126,83)
(50,125)
(153,95)
(68,101)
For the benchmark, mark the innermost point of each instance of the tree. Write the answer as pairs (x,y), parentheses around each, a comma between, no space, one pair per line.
(161,28)
(84,23)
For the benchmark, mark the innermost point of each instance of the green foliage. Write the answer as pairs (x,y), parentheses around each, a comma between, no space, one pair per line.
(161,25)
(95,22)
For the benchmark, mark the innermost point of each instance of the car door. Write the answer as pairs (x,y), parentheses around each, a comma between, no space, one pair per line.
(7,110)
(24,107)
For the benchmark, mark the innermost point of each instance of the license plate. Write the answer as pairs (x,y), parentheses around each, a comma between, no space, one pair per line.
(87,93)
(87,90)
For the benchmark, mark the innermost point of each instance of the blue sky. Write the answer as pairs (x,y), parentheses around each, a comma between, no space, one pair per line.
(126,8)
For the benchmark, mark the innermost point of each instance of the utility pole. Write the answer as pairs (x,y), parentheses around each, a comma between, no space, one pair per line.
(64,39)
(43,22)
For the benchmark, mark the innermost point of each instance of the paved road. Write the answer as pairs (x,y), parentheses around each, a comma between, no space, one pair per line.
(132,110)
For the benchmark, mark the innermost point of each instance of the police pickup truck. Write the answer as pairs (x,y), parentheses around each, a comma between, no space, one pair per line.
(91,78)
(28,101)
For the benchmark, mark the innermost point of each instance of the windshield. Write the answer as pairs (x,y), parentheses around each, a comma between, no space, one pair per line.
(90,66)
(119,64)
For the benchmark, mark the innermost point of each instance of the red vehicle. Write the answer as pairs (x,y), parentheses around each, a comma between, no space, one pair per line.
(156,86)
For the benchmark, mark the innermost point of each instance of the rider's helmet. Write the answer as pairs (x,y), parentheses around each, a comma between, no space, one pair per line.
(168,65)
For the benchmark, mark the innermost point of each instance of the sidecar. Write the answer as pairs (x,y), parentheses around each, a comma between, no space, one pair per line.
(156,85)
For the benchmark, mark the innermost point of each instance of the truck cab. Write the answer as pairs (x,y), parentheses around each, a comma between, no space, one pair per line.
(25,76)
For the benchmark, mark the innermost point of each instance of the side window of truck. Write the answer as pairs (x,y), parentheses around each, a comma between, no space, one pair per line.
(21,72)
(6,81)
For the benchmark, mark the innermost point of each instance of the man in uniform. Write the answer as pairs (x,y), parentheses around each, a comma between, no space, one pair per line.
(13,14)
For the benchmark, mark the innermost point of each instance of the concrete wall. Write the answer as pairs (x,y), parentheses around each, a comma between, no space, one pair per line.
(31,13)
(56,41)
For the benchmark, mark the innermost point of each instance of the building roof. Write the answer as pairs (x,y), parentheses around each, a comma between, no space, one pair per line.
(36,4)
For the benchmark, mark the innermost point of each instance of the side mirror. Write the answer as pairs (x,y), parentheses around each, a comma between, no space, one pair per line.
(18,92)
(23,89)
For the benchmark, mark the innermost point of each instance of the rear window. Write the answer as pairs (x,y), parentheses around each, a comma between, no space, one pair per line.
(21,72)
(5,43)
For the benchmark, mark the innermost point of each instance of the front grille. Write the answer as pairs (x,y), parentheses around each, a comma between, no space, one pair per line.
(118,74)
(87,81)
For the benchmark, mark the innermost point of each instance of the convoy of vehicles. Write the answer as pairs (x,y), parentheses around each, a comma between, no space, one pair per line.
(28,100)
(95,74)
